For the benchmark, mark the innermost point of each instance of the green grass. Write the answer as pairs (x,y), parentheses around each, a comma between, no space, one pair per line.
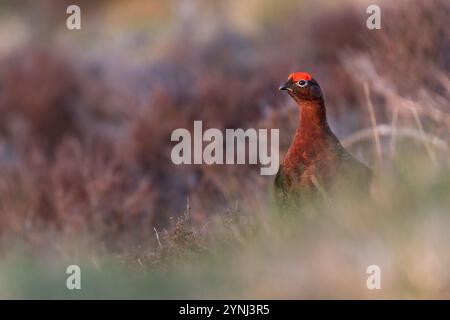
(402,226)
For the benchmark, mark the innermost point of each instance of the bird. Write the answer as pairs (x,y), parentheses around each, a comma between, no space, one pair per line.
(316,162)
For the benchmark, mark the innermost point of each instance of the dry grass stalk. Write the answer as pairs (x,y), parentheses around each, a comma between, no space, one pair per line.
(387,130)
(373,121)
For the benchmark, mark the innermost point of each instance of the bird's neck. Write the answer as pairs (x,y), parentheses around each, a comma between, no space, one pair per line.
(312,130)
(312,119)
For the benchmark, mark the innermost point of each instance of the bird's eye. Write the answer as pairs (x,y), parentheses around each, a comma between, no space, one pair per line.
(302,83)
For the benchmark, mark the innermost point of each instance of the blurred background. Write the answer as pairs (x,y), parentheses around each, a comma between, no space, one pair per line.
(86,115)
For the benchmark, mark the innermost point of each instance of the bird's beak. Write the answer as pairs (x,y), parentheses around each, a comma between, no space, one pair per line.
(285,87)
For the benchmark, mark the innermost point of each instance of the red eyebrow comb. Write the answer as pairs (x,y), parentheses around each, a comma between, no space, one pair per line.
(299,76)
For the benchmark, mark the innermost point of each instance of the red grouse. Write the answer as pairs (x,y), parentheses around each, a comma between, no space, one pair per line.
(316,160)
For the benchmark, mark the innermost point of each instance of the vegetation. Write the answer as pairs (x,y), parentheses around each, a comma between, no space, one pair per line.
(85,170)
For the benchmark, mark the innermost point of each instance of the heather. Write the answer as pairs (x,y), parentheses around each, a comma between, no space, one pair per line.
(85,170)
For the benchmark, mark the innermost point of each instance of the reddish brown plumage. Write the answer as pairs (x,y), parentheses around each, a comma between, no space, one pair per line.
(315,158)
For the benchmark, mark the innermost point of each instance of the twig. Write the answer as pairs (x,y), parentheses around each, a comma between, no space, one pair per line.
(140,262)
(187,213)
(423,134)
(394,131)
(373,120)
(319,187)
(387,130)
(157,238)
(95,263)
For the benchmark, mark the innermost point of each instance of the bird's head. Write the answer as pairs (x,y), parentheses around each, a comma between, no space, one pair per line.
(302,87)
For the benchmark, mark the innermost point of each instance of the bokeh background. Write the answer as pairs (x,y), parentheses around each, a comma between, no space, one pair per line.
(85,169)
